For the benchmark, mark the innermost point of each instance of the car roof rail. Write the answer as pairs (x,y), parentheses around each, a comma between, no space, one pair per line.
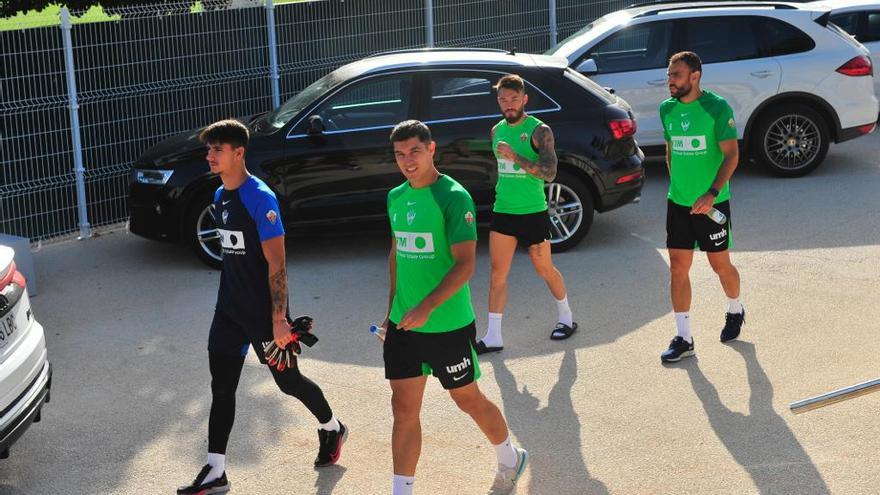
(438,49)
(685,5)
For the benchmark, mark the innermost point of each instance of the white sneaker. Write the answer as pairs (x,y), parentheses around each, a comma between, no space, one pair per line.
(506,477)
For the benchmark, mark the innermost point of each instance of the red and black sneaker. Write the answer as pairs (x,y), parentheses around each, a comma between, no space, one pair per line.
(199,487)
(331,445)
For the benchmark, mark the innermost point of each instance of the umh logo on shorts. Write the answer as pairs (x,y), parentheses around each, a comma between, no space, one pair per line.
(463,365)
(415,242)
(689,143)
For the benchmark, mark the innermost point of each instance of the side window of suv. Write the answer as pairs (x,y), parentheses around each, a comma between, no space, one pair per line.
(640,47)
(872,28)
(720,39)
(849,22)
(457,96)
(373,103)
(781,38)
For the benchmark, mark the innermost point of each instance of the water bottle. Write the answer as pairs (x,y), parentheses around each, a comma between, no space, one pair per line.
(717,216)
(378,332)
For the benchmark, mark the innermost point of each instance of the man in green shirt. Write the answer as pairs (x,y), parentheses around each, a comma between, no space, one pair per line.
(430,322)
(526,156)
(701,155)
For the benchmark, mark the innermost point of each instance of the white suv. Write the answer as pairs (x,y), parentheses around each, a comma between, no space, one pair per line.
(861,19)
(795,81)
(25,372)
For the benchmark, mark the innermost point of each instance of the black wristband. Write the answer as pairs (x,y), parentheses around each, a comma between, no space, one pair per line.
(714,192)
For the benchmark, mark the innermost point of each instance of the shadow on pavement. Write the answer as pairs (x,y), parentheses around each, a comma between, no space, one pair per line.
(551,434)
(761,442)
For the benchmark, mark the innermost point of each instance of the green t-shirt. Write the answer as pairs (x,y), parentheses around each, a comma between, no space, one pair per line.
(693,131)
(426,222)
(517,191)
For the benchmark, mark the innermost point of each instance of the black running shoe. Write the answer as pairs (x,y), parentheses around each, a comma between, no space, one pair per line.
(331,445)
(220,485)
(732,325)
(678,348)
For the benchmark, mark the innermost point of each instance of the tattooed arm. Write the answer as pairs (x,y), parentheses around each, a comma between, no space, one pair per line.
(545,166)
(273,250)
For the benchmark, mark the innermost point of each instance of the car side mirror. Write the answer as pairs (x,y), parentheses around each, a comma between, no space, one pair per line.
(316,125)
(588,66)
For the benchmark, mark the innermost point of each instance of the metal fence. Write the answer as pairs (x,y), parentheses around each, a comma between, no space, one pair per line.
(80,101)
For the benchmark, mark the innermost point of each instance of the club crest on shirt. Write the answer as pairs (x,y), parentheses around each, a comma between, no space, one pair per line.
(272,216)
(523,137)
(225,215)
(469,218)
(685,125)
(410,217)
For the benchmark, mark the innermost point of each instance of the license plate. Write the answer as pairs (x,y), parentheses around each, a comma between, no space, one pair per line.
(8,328)
(14,323)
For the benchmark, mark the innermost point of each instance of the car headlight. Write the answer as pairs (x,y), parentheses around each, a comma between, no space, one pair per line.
(153,177)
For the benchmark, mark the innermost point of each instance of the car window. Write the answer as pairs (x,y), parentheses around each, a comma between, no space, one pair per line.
(781,38)
(848,22)
(378,102)
(456,96)
(872,28)
(720,39)
(640,47)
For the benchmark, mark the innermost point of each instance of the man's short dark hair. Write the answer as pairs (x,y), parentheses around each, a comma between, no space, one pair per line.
(511,81)
(227,131)
(409,129)
(691,59)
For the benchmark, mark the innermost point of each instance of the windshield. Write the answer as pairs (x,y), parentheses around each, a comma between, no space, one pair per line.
(593,31)
(279,117)
(560,48)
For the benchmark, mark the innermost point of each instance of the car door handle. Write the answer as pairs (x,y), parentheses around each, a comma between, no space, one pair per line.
(762,74)
(657,82)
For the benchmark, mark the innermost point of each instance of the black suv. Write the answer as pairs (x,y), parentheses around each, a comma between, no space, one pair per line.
(326,153)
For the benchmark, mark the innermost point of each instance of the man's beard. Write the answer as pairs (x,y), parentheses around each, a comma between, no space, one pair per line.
(516,118)
(681,91)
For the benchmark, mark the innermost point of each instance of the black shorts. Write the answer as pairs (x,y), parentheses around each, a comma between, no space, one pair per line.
(230,337)
(529,229)
(449,355)
(686,231)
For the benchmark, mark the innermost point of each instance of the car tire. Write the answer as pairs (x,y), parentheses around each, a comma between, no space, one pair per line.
(791,140)
(200,231)
(570,207)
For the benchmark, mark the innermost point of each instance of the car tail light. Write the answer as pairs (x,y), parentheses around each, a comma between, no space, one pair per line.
(858,66)
(621,128)
(13,276)
(629,178)
(867,128)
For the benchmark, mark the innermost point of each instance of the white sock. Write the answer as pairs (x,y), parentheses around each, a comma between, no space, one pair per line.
(505,453)
(734,305)
(565,316)
(332,425)
(402,485)
(218,465)
(683,325)
(493,332)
